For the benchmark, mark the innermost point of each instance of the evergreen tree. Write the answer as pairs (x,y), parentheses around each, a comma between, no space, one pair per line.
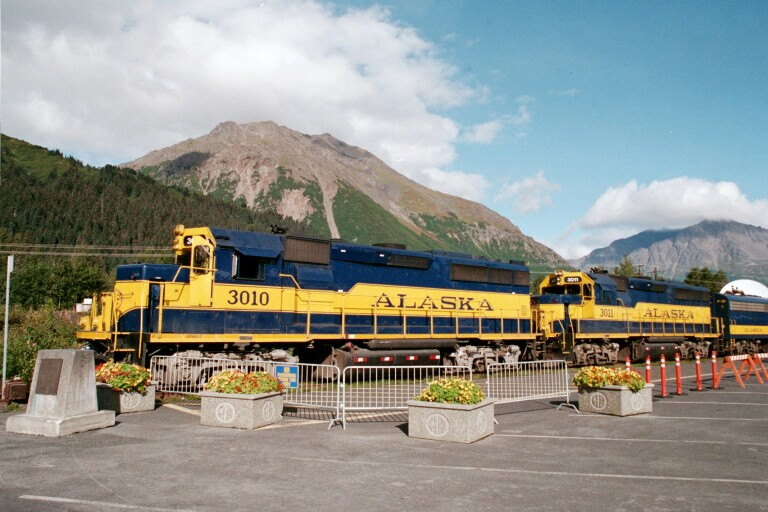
(626,268)
(704,277)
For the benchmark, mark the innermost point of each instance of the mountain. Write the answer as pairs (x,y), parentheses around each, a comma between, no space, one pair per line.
(738,249)
(337,190)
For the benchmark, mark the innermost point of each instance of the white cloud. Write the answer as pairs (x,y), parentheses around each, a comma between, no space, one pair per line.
(466,185)
(522,118)
(529,194)
(110,81)
(572,92)
(673,203)
(484,133)
(662,204)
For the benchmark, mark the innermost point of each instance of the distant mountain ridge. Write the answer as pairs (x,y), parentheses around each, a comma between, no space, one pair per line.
(338,190)
(740,250)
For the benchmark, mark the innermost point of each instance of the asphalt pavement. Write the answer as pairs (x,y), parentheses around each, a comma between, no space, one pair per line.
(700,451)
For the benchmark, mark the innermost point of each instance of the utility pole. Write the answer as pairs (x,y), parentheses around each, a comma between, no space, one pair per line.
(5,331)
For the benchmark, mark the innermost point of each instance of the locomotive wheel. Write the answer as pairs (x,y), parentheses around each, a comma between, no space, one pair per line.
(624,353)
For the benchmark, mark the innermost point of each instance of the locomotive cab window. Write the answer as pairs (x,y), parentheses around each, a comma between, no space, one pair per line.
(249,267)
(201,259)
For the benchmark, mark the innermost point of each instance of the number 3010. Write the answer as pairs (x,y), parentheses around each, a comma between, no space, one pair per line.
(248,297)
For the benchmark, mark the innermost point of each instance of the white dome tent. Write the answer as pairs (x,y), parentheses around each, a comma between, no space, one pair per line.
(745,287)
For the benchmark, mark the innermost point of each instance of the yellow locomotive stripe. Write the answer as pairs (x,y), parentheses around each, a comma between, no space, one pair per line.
(749,330)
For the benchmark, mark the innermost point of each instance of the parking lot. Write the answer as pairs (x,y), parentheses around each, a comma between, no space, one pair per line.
(702,451)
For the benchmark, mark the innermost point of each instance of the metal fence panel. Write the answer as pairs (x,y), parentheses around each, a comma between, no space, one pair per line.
(388,388)
(365,388)
(529,380)
(187,375)
(312,386)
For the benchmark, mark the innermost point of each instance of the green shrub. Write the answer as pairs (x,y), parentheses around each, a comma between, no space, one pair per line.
(33,330)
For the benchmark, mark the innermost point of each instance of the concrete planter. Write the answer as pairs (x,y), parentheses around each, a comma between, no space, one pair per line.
(616,400)
(122,402)
(450,422)
(240,411)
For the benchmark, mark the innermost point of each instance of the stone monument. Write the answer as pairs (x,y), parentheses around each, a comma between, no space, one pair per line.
(62,400)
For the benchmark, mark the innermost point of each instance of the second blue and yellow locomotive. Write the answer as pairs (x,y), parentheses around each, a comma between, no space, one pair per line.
(601,318)
(598,318)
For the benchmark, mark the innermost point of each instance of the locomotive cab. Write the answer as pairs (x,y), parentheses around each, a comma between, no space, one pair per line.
(194,248)
(561,303)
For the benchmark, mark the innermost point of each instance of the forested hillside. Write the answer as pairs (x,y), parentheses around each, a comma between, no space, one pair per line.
(50,199)
(69,224)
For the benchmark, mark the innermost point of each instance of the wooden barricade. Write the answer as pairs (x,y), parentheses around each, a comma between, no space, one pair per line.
(758,360)
(749,361)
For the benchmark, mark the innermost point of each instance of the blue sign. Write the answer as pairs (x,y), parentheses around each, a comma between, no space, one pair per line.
(288,375)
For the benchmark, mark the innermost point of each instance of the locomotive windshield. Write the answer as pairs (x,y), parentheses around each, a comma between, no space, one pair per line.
(184,259)
(567,289)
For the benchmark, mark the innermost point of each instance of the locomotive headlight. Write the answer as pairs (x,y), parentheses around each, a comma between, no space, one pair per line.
(178,230)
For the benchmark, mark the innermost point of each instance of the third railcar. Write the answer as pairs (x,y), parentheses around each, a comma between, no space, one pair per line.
(744,321)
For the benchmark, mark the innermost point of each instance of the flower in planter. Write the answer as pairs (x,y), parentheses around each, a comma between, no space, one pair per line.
(239,382)
(452,390)
(124,377)
(593,377)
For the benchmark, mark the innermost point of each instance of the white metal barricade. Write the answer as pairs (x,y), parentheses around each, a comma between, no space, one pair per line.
(364,388)
(388,388)
(311,386)
(528,380)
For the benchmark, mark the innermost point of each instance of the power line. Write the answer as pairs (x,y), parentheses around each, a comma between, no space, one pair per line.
(86,247)
(111,254)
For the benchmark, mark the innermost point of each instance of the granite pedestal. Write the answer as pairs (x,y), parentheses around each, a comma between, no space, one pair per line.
(62,400)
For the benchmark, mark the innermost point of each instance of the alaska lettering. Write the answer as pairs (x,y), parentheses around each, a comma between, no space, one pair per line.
(446,302)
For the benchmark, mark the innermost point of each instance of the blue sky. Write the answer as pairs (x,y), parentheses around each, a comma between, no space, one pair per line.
(581,122)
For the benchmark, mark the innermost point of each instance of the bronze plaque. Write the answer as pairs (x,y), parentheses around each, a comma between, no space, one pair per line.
(48,378)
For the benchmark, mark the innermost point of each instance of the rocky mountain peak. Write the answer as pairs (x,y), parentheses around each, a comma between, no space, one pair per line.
(339,190)
(740,250)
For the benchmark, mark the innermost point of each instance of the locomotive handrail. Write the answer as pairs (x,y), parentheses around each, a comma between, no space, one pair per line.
(295,283)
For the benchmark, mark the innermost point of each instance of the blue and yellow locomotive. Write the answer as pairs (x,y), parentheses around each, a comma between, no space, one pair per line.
(600,318)
(597,318)
(278,297)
